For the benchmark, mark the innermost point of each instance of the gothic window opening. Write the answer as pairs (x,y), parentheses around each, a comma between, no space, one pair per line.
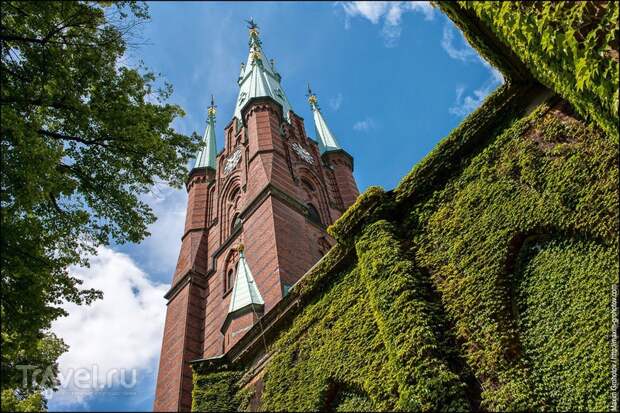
(231,221)
(313,214)
(230,271)
(230,279)
(236,223)
(307,186)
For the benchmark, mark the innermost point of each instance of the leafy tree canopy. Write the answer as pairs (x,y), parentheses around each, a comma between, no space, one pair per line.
(82,137)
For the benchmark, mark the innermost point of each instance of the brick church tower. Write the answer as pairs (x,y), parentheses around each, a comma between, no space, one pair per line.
(256,219)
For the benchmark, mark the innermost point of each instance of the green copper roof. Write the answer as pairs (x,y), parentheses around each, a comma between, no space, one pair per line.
(258,77)
(327,140)
(245,292)
(205,157)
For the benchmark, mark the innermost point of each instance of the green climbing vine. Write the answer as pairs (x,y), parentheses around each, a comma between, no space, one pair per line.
(571,47)
(549,176)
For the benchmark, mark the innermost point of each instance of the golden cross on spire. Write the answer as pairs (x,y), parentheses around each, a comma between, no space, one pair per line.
(253,27)
(312,97)
(211,110)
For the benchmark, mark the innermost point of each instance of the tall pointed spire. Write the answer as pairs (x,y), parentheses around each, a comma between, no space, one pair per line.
(258,76)
(205,157)
(327,140)
(245,292)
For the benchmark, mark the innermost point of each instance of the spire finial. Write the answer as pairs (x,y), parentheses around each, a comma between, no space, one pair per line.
(254,40)
(251,24)
(211,110)
(240,248)
(312,99)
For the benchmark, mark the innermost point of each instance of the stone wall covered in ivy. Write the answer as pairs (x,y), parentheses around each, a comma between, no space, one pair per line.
(495,295)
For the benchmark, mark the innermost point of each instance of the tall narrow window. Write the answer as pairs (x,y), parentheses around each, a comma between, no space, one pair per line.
(313,214)
(230,279)
(236,223)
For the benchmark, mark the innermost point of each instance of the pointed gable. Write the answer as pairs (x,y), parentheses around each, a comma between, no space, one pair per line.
(245,291)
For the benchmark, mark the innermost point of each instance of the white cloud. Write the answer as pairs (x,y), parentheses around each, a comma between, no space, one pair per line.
(158,253)
(464,54)
(496,75)
(121,331)
(465,104)
(390,12)
(336,102)
(364,125)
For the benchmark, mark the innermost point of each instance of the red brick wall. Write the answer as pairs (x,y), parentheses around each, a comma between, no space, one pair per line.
(182,342)
(237,327)
(343,174)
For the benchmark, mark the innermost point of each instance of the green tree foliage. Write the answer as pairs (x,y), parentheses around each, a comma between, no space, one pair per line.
(33,371)
(82,137)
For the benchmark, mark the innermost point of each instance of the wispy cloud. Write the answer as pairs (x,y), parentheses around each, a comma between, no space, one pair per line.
(467,103)
(121,331)
(335,102)
(464,104)
(364,125)
(464,53)
(388,12)
(457,47)
(158,253)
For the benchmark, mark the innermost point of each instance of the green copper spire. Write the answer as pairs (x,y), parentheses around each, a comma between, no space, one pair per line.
(327,140)
(205,157)
(258,76)
(245,292)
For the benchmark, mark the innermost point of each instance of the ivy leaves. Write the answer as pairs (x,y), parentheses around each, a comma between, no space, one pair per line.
(571,47)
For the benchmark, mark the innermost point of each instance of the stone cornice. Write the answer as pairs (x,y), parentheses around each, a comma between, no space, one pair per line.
(326,155)
(191,276)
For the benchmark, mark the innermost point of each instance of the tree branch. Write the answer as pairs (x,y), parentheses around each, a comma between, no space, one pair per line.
(35,102)
(55,204)
(61,136)
(8,37)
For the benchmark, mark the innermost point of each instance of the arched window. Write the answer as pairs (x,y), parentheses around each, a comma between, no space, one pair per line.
(313,214)
(233,194)
(230,279)
(307,185)
(231,219)
(236,223)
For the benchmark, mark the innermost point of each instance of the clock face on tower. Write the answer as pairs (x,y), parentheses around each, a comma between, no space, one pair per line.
(232,161)
(303,154)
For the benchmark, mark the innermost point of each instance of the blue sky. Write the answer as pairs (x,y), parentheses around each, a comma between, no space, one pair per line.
(392,80)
